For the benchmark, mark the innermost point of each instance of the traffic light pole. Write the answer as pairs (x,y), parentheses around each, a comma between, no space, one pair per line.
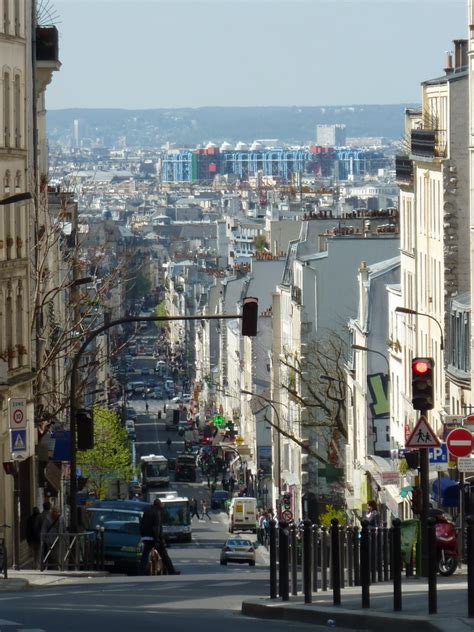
(74,385)
(425,505)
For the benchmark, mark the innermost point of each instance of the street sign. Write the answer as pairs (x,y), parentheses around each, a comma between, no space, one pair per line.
(465,464)
(17,412)
(422,436)
(459,442)
(439,458)
(391,478)
(239,440)
(18,441)
(287,515)
(451,422)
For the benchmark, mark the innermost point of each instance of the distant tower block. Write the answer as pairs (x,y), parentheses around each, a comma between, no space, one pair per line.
(331,135)
(76,133)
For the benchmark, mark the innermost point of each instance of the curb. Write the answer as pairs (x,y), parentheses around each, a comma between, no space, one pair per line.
(389,622)
(13,585)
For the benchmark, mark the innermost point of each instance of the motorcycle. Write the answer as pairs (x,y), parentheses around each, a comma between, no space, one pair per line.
(446,545)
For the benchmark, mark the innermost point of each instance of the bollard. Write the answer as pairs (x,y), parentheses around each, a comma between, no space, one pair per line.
(335,563)
(386,559)
(102,549)
(283,546)
(470,565)
(432,567)
(373,553)
(365,563)
(390,549)
(379,540)
(307,560)
(273,559)
(294,558)
(315,536)
(396,564)
(342,555)
(97,548)
(356,553)
(350,556)
(324,559)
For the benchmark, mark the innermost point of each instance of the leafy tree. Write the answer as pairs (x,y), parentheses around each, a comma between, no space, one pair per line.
(330,513)
(260,242)
(138,285)
(161,312)
(109,459)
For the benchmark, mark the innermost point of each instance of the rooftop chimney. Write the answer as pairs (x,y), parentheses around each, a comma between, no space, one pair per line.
(460,53)
(449,63)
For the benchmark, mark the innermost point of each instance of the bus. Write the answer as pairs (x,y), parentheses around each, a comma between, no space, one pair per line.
(176,519)
(154,471)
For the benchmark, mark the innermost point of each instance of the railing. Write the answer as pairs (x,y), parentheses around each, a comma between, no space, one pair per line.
(72,551)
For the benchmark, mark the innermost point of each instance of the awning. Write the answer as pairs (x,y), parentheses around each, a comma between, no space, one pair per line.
(391,497)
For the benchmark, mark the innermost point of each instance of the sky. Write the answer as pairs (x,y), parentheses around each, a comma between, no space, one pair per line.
(143,54)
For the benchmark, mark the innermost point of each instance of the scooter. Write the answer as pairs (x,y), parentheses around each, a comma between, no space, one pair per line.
(446,545)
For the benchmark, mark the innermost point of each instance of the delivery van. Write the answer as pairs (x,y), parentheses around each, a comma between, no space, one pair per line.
(243,514)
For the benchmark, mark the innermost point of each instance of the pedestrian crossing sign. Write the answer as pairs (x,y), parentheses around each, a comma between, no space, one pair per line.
(18,441)
(422,436)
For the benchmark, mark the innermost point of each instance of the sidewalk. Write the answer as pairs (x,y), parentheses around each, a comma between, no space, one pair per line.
(452,608)
(24,579)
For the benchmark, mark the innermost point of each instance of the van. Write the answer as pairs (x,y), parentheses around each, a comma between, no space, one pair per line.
(243,514)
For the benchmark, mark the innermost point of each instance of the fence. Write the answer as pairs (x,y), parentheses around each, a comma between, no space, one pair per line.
(73,551)
(317,558)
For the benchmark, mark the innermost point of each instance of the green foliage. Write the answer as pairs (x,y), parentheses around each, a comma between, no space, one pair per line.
(138,285)
(161,312)
(330,513)
(260,243)
(109,459)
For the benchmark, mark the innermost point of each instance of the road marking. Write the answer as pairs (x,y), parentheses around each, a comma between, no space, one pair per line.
(7,622)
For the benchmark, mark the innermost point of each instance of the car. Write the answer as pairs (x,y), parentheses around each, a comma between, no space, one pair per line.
(186,397)
(158,392)
(219,499)
(131,413)
(239,550)
(130,426)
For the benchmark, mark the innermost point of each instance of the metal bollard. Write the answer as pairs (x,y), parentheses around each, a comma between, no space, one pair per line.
(470,565)
(315,536)
(350,556)
(365,563)
(273,559)
(324,559)
(432,567)
(386,558)
(97,548)
(307,561)
(356,555)
(283,555)
(396,564)
(335,563)
(102,549)
(294,558)
(379,554)
(373,553)
(342,555)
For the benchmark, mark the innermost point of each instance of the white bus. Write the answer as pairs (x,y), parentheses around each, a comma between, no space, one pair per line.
(176,519)
(155,471)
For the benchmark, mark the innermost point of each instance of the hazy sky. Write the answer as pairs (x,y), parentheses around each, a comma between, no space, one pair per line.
(190,53)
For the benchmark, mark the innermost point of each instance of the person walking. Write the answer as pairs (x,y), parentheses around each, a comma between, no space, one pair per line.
(33,537)
(372,515)
(152,536)
(168,443)
(205,509)
(38,526)
(194,508)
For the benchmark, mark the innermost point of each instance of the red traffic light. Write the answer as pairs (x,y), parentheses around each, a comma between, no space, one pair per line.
(421,366)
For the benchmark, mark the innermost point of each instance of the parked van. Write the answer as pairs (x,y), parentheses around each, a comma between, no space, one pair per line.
(243,514)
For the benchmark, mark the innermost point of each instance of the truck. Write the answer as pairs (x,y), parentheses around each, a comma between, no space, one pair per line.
(154,471)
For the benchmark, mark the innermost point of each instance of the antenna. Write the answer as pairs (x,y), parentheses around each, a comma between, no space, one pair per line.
(46,13)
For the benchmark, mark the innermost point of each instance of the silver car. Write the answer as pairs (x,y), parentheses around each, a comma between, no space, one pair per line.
(238,550)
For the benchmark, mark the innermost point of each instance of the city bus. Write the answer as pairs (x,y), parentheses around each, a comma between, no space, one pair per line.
(176,519)
(154,471)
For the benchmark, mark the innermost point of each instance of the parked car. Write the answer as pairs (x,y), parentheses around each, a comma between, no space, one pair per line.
(158,392)
(238,550)
(131,413)
(130,426)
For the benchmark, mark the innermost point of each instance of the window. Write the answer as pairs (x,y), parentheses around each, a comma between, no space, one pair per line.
(17,110)
(6,109)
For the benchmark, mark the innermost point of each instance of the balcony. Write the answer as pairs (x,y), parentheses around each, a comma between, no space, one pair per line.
(296,294)
(429,143)
(404,169)
(47,44)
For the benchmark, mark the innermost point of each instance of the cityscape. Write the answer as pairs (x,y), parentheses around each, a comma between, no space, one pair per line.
(235,356)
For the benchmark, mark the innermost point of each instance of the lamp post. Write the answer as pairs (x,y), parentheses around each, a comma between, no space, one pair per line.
(367,349)
(414,312)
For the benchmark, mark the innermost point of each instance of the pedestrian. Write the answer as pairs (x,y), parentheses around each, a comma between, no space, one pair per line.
(33,537)
(168,443)
(231,484)
(38,525)
(194,508)
(52,530)
(152,536)
(372,514)
(146,406)
(205,510)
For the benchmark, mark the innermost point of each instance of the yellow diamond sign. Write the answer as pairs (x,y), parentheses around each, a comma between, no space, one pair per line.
(239,440)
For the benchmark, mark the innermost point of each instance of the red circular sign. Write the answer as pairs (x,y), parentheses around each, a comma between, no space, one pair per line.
(459,442)
(287,515)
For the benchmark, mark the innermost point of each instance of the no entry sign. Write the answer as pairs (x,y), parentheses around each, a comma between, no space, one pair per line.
(459,442)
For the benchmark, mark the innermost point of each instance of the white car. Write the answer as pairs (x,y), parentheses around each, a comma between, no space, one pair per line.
(186,397)
(130,426)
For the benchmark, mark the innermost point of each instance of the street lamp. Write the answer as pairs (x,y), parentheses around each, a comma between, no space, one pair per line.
(14,199)
(362,348)
(413,312)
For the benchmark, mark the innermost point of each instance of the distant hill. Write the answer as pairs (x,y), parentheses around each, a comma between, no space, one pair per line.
(188,126)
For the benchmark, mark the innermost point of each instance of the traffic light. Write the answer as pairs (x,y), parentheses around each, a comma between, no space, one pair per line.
(85,430)
(416,500)
(249,316)
(286,502)
(422,383)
